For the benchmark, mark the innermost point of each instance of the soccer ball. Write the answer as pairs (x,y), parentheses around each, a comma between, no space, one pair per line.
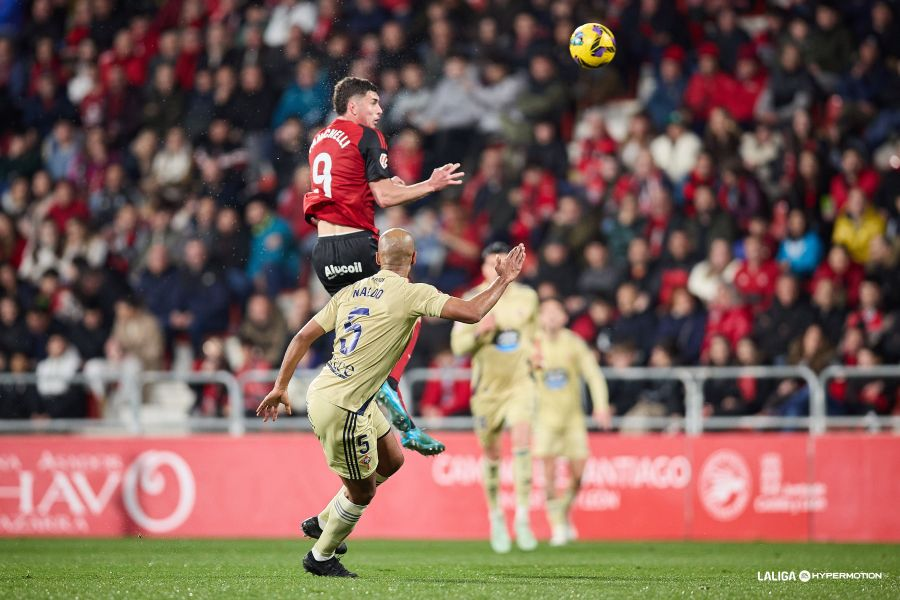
(592,45)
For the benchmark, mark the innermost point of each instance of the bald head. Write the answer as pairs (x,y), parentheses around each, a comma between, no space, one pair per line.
(396,249)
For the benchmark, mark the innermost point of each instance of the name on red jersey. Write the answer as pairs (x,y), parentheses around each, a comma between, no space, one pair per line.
(337,135)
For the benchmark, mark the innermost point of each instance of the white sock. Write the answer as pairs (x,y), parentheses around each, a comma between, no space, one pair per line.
(319,557)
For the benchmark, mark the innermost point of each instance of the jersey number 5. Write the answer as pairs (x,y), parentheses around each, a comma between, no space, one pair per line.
(352,330)
(321,172)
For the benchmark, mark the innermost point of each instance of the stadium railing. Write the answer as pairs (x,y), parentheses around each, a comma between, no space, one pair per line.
(817,410)
(871,422)
(127,412)
(133,416)
(693,378)
(690,422)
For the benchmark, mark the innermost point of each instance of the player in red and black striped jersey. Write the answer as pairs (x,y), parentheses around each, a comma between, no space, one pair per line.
(348,163)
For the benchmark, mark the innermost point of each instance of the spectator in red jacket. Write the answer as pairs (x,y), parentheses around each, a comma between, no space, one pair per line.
(535,202)
(703,174)
(707,86)
(597,145)
(406,155)
(742,95)
(186,65)
(64,205)
(122,55)
(755,277)
(727,317)
(869,395)
(843,273)
(462,261)
(675,265)
(254,360)
(290,205)
(211,398)
(79,27)
(854,173)
(660,221)
(868,316)
(45,62)
(121,106)
(445,395)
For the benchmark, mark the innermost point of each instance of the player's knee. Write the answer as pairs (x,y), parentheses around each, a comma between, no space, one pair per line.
(366,497)
(393,465)
(521,435)
(492,451)
(362,495)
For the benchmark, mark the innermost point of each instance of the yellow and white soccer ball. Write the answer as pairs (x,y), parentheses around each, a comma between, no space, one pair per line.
(592,45)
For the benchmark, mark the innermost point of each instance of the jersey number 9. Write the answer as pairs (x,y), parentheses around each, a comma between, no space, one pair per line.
(321,172)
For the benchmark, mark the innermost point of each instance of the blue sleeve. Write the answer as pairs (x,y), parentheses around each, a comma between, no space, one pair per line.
(283,110)
(782,255)
(290,252)
(810,259)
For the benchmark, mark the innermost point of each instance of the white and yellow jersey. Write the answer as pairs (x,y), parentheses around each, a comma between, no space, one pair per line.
(373,320)
(501,358)
(566,360)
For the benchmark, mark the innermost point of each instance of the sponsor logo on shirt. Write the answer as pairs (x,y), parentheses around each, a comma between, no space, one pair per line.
(340,369)
(556,379)
(382,160)
(332,271)
(507,341)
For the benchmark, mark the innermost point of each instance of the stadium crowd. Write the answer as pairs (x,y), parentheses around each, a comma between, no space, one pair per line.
(726,192)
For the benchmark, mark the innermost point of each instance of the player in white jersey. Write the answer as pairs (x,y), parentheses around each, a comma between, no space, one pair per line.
(373,319)
(503,396)
(563,361)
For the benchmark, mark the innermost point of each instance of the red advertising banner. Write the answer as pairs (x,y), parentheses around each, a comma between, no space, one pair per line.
(735,486)
(752,487)
(860,473)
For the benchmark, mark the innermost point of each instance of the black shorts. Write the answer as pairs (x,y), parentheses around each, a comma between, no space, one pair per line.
(340,260)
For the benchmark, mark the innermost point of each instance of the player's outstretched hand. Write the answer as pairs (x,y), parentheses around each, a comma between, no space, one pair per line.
(510,266)
(446,176)
(269,406)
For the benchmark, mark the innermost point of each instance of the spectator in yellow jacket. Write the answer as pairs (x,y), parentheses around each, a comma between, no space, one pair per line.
(857,225)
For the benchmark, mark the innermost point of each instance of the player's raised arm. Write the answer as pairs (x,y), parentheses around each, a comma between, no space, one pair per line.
(389,192)
(474,309)
(296,350)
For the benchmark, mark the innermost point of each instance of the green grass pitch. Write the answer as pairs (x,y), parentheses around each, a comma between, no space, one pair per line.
(400,570)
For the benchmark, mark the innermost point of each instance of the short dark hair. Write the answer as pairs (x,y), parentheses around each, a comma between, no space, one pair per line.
(348,87)
(554,298)
(495,248)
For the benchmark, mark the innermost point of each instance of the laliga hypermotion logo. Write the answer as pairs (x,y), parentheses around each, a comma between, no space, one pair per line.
(144,476)
(724,485)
